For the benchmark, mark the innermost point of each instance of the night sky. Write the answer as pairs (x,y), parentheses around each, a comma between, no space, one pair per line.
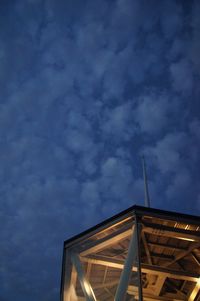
(86,88)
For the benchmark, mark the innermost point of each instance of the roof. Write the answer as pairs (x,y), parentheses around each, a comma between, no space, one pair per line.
(168,246)
(138,210)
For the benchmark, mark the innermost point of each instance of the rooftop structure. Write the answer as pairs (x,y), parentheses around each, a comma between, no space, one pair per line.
(140,254)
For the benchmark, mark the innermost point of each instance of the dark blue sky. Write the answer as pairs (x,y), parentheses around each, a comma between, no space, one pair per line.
(86,88)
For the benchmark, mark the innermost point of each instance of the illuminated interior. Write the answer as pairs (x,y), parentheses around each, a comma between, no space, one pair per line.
(140,254)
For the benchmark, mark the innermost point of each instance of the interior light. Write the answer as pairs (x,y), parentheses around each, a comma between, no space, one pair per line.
(184,238)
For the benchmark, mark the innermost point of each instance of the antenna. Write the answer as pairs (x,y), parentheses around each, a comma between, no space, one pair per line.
(146,190)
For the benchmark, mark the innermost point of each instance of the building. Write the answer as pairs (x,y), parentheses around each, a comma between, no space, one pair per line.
(140,254)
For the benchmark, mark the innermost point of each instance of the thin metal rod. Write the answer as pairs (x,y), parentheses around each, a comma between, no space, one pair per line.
(138,234)
(127,270)
(86,287)
(146,190)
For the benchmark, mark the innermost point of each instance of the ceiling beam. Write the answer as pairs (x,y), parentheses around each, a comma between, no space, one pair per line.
(167,231)
(132,290)
(183,254)
(106,284)
(194,291)
(107,241)
(162,256)
(196,259)
(159,284)
(146,247)
(174,287)
(146,268)
(166,246)
(88,271)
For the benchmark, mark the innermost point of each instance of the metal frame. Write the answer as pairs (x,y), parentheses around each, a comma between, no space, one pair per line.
(126,272)
(72,263)
(138,232)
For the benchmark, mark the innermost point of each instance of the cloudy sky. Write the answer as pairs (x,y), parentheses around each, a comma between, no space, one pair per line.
(86,88)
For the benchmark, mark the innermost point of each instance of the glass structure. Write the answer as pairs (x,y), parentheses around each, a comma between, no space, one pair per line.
(140,254)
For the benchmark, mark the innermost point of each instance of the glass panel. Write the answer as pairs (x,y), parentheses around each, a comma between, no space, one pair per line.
(170,259)
(102,257)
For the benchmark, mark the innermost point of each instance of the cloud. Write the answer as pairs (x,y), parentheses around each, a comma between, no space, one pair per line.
(194,127)
(175,156)
(166,154)
(180,185)
(195,43)
(172,19)
(117,122)
(153,111)
(181,72)
(116,181)
(91,202)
